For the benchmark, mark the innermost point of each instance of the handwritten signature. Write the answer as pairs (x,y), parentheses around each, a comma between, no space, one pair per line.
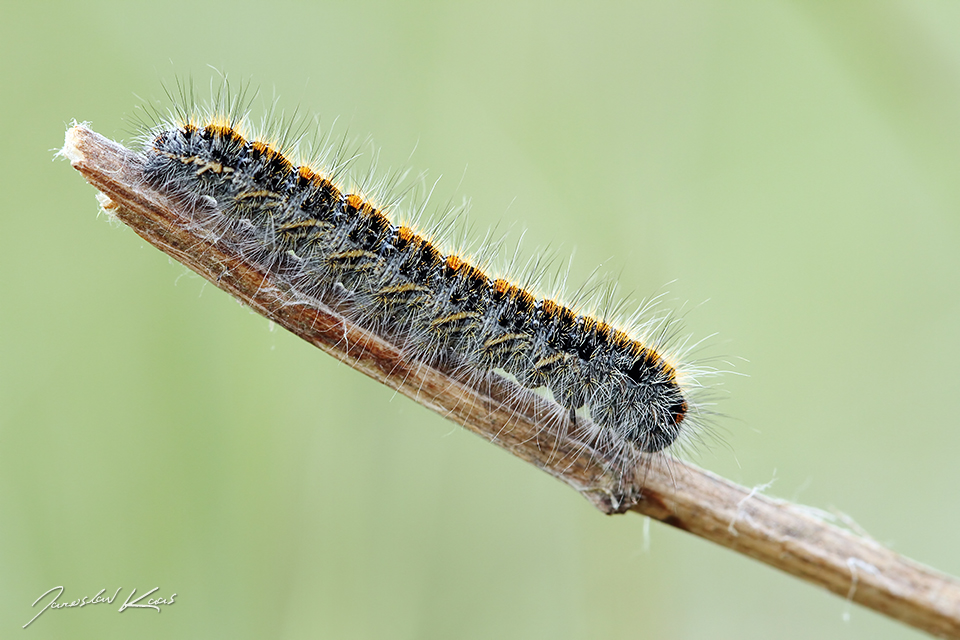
(152,603)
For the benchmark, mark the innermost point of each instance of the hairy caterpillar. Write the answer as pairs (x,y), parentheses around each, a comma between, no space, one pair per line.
(437,305)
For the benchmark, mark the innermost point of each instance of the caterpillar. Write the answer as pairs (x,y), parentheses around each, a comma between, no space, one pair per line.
(391,278)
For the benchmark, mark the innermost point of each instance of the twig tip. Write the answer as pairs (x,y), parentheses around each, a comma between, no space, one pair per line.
(71,144)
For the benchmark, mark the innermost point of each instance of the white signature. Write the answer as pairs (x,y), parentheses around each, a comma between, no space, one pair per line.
(152,603)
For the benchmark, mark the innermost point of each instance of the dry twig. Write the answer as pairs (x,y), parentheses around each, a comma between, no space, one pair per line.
(778,533)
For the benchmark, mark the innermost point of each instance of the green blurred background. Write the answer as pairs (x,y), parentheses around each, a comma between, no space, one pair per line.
(789,168)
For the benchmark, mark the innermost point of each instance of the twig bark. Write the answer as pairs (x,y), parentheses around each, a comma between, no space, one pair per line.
(786,536)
